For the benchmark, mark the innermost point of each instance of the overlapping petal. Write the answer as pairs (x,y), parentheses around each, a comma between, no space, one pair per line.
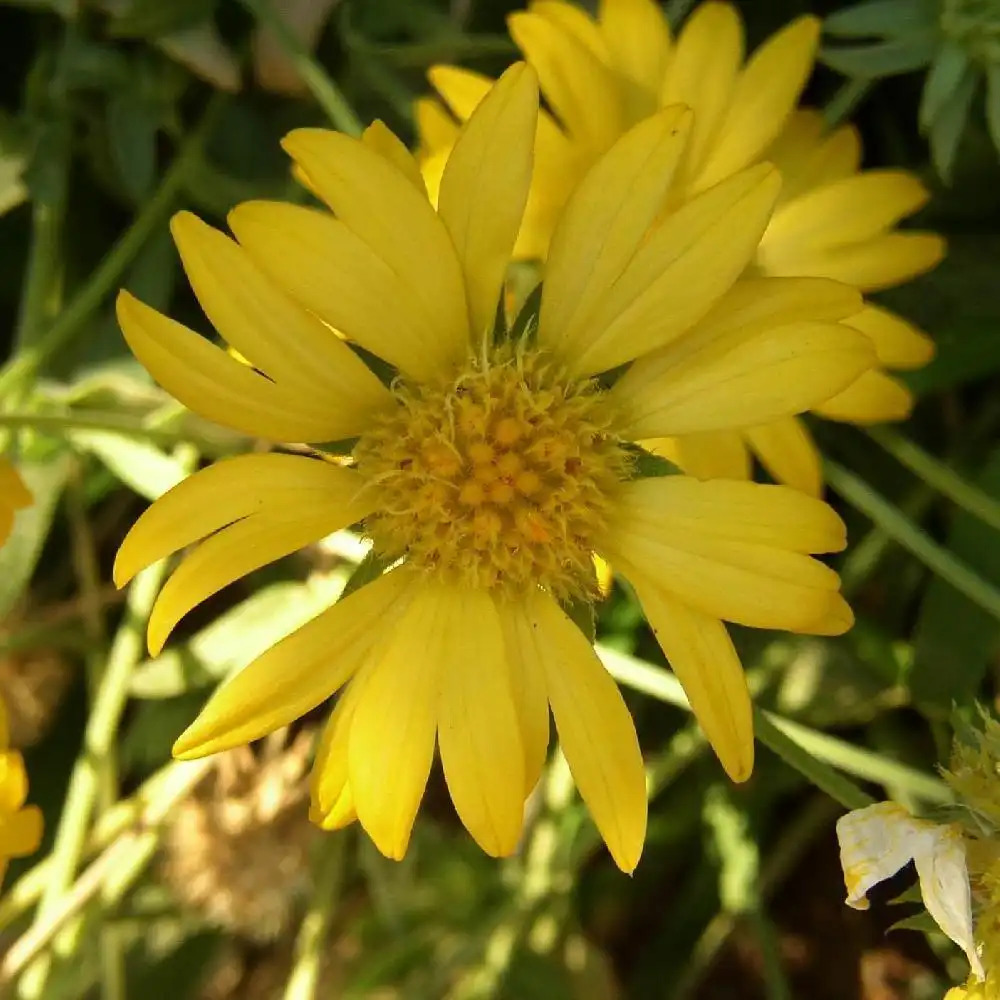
(391,738)
(276,335)
(381,207)
(702,655)
(636,39)
(682,535)
(603,225)
(578,86)
(212,383)
(298,673)
(899,344)
(872,399)
(595,729)
(478,727)
(484,189)
(676,275)
(786,449)
(764,94)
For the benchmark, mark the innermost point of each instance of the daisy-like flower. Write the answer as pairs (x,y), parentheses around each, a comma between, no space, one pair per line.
(489,462)
(20,825)
(14,496)
(602,74)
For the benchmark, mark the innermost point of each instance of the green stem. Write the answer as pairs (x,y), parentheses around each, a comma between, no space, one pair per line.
(30,361)
(938,475)
(843,103)
(39,296)
(821,775)
(216,441)
(898,527)
(310,946)
(328,95)
(99,739)
(807,750)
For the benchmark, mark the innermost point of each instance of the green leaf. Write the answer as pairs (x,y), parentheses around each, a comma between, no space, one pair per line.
(944,77)
(235,638)
(901,55)
(152,18)
(142,467)
(947,128)
(955,640)
(882,18)
(737,851)
(583,615)
(993,104)
(646,465)
(525,326)
(370,568)
(19,555)
(132,127)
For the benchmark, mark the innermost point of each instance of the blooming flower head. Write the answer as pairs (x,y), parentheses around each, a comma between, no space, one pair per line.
(602,74)
(20,825)
(488,459)
(14,496)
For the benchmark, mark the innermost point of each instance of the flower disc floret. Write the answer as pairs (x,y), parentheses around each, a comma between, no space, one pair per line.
(502,477)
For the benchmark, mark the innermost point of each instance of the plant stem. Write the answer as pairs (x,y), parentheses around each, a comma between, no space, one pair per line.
(99,740)
(938,475)
(328,95)
(30,361)
(807,750)
(898,527)
(303,983)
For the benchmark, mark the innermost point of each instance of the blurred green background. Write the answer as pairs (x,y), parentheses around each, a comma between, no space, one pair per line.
(113,113)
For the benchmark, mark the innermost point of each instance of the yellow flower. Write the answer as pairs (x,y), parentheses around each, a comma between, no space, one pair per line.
(14,495)
(20,825)
(491,466)
(602,74)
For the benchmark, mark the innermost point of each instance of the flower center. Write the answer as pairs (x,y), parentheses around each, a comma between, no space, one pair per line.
(501,478)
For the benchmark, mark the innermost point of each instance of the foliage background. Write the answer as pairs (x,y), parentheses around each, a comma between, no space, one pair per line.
(109,120)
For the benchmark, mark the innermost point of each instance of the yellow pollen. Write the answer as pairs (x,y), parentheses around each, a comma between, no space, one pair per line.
(501,478)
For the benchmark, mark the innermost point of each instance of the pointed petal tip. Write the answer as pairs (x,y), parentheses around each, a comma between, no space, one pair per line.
(185,223)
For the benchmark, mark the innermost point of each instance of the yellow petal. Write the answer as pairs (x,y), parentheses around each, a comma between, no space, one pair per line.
(21,833)
(763,97)
(573,21)
(713,455)
(872,265)
(329,779)
(461,89)
(330,271)
(297,674)
(603,225)
(484,189)
(13,492)
(873,398)
(478,729)
(391,741)
(277,336)
(836,620)
(679,272)
(526,652)
(701,74)
(845,212)
(383,140)
(13,782)
(740,380)
(701,654)
(899,344)
(636,37)
(705,563)
(228,491)
(809,156)
(786,449)
(739,511)
(595,729)
(380,205)
(436,128)
(207,380)
(578,87)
